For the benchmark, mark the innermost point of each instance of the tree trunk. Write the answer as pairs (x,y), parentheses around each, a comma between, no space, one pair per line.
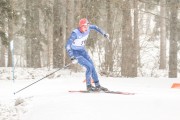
(127,42)
(173,40)
(109,51)
(58,45)
(35,44)
(2,57)
(135,51)
(77,13)
(69,21)
(28,33)
(63,36)
(10,34)
(163,35)
(2,42)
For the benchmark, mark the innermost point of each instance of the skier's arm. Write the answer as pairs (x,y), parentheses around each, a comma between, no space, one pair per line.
(69,43)
(96,28)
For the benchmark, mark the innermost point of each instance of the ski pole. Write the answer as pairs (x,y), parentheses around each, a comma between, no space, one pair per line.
(42,78)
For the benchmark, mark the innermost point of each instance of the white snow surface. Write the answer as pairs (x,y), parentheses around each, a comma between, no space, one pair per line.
(49,99)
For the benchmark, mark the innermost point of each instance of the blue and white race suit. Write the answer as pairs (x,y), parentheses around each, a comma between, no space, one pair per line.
(75,47)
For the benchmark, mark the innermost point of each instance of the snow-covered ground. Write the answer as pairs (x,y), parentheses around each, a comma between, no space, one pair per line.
(49,99)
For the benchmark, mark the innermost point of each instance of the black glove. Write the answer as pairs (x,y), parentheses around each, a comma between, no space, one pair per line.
(74,60)
(106,35)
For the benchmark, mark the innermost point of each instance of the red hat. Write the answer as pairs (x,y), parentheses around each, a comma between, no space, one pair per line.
(83,22)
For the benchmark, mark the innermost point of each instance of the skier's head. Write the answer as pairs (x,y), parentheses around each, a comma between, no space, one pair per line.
(83,25)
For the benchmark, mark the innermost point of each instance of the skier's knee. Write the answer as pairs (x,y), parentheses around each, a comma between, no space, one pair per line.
(90,68)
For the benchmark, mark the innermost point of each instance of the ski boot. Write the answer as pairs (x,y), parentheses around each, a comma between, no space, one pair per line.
(100,88)
(90,88)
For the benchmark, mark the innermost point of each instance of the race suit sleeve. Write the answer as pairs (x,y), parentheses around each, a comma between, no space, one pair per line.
(96,28)
(69,43)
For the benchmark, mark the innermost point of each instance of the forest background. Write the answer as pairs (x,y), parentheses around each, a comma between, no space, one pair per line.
(145,39)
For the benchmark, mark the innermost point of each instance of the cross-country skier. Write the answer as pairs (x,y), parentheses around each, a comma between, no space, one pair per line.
(75,47)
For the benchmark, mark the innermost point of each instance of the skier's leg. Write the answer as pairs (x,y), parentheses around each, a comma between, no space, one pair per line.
(95,77)
(84,62)
(94,73)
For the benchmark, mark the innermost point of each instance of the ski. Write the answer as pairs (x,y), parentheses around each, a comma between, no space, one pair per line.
(110,92)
